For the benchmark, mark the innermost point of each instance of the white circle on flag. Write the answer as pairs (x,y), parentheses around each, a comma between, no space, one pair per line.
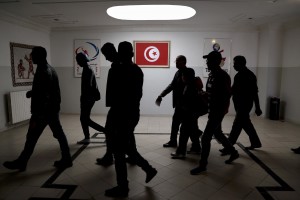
(151,54)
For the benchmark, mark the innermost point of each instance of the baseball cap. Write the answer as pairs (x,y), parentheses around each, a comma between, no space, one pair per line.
(214,55)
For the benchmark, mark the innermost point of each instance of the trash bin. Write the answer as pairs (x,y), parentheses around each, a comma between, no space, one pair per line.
(274,108)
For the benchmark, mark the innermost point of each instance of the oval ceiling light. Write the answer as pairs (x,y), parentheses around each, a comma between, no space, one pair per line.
(151,12)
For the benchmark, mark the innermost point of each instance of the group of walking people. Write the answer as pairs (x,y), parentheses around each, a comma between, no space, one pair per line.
(123,94)
(186,87)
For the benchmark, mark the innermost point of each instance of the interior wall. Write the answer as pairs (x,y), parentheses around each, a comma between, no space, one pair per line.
(15,33)
(189,44)
(290,91)
(253,45)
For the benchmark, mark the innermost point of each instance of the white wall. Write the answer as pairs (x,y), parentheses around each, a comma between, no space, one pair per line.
(253,45)
(189,44)
(18,34)
(290,90)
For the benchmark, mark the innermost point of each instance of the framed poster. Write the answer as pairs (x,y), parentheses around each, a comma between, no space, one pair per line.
(221,45)
(154,54)
(91,49)
(22,68)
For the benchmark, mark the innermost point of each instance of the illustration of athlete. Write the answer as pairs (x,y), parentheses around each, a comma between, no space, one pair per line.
(21,69)
(30,70)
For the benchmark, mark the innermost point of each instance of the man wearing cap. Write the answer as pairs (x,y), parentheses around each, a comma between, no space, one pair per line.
(218,87)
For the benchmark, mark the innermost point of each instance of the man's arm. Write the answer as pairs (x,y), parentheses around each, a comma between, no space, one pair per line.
(166,91)
(257,106)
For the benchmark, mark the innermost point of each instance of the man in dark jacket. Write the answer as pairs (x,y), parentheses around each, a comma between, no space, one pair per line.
(244,93)
(218,88)
(125,113)
(188,108)
(177,87)
(89,94)
(110,53)
(45,106)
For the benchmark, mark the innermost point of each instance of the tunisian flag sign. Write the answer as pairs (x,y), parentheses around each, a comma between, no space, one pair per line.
(152,53)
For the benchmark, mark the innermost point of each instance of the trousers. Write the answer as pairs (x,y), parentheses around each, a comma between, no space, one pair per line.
(213,127)
(36,126)
(86,122)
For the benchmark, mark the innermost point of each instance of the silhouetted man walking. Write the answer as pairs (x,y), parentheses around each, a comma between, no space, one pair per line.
(244,93)
(218,88)
(45,106)
(89,95)
(125,113)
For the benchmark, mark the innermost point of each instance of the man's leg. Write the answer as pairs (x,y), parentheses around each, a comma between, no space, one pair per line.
(85,111)
(236,129)
(36,127)
(176,121)
(58,133)
(107,159)
(251,132)
(93,124)
(120,142)
(212,124)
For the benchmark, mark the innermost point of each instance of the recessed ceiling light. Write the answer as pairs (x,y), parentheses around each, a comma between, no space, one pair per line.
(151,12)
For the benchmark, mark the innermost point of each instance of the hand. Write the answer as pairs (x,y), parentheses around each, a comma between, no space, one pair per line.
(29,94)
(258,111)
(158,100)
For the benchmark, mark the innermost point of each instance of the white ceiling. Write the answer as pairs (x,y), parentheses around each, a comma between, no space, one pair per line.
(230,14)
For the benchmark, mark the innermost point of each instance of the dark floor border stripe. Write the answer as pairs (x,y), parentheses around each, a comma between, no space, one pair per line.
(264,190)
(69,189)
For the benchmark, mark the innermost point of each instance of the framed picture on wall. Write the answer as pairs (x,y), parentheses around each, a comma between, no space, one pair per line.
(22,68)
(222,45)
(90,47)
(154,54)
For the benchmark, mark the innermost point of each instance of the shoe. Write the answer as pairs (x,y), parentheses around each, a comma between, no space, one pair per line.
(297,150)
(106,160)
(176,155)
(84,141)
(198,170)
(15,165)
(170,144)
(224,152)
(150,174)
(117,191)
(63,164)
(253,147)
(194,151)
(131,160)
(232,157)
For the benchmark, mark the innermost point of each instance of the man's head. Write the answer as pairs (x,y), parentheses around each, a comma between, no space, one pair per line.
(82,59)
(213,60)
(38,55)
(109,51)
(180,62)
(239,62)
(125,52)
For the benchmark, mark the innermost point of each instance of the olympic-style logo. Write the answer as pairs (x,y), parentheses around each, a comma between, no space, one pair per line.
(83,50)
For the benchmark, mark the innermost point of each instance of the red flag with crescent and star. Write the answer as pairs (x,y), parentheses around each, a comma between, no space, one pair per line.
(152,53)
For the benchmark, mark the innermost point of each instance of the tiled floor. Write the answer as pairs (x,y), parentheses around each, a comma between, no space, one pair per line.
(270,170)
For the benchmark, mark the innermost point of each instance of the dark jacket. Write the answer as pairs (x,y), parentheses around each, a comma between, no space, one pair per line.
(45,94)
(218,87)
(176,86)
(244,89)
(125,87)
(88,84)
